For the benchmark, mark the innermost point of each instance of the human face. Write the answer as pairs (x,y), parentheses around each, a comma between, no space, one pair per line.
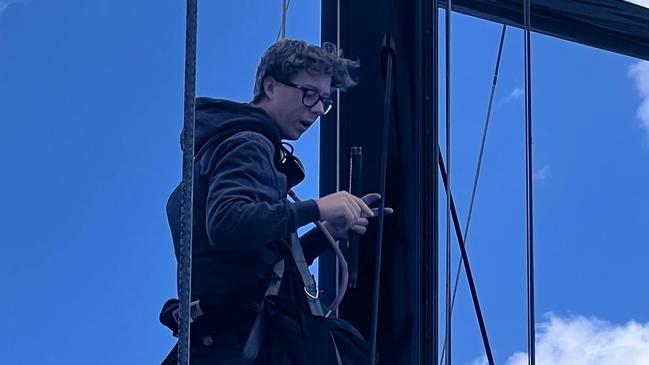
(287,108)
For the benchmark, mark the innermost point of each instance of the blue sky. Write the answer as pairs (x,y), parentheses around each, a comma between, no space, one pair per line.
(91,110)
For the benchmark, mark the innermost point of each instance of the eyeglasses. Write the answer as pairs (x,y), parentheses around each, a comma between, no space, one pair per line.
(311,97)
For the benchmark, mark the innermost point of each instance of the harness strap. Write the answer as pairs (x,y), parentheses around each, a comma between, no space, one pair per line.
(339,361)
(255,337)
(253,343)
(276,281)
(310,288)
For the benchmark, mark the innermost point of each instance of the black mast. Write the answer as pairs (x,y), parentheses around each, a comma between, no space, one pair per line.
(408,318)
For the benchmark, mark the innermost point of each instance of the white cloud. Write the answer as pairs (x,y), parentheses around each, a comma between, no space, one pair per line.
(640,74)
(544,173)
(480,361)
(515,94)
(580,340)
(644,3)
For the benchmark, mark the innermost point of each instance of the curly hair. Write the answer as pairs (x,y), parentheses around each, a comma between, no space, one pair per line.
(287,58)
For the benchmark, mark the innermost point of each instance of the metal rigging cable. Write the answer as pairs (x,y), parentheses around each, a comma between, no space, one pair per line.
(388,54)
(431,184)
(467,268)
(478,169)
(531,335)
(339,101)
(186,205)
(447,34)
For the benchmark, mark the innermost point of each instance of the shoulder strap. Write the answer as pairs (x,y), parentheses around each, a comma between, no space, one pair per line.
(253,342)
(310,288)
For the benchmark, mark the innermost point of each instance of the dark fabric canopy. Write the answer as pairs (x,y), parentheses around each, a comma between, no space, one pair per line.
(614,25)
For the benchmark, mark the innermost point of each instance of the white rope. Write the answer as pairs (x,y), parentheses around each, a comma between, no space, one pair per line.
(281,34)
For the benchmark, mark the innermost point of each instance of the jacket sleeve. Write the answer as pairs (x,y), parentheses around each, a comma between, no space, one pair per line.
(314,243)
(246,204)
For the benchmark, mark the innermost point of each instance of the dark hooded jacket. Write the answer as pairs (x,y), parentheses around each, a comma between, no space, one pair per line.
(242,226)
(241,213)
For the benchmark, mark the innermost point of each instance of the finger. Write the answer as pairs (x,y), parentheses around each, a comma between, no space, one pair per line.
(358,229)
(362,222)
(350,218)
(353,204)
(386,211)
(363,206)
(371,198)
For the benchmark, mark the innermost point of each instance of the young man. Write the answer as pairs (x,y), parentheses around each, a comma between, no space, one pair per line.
(255,302)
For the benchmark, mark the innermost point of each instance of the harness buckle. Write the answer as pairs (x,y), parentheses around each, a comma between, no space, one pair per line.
(317,292)
(195,312)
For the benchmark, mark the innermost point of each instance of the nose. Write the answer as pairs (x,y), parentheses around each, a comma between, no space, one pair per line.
(318,108)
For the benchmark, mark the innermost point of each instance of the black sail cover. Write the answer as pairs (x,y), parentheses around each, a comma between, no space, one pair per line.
(614,25)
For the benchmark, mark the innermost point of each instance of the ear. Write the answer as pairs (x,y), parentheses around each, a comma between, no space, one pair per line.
(269,86)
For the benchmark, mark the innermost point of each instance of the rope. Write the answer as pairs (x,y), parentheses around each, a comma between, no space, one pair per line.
(186,207)
(281,34)
(387,51)
(355,187)
(447,337)
(339,100)
(431,154)
(467,268)
(339,255)
(531,335)
(478,169)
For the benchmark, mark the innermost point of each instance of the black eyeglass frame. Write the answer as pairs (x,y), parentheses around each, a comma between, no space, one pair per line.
(327,102)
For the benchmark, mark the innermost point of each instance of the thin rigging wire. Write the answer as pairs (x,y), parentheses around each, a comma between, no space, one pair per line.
(338,108)
(531,335)
(467,268)
(281,34)
(448,182)
(388,111)
(477,173)
(186,207)
(432,298)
